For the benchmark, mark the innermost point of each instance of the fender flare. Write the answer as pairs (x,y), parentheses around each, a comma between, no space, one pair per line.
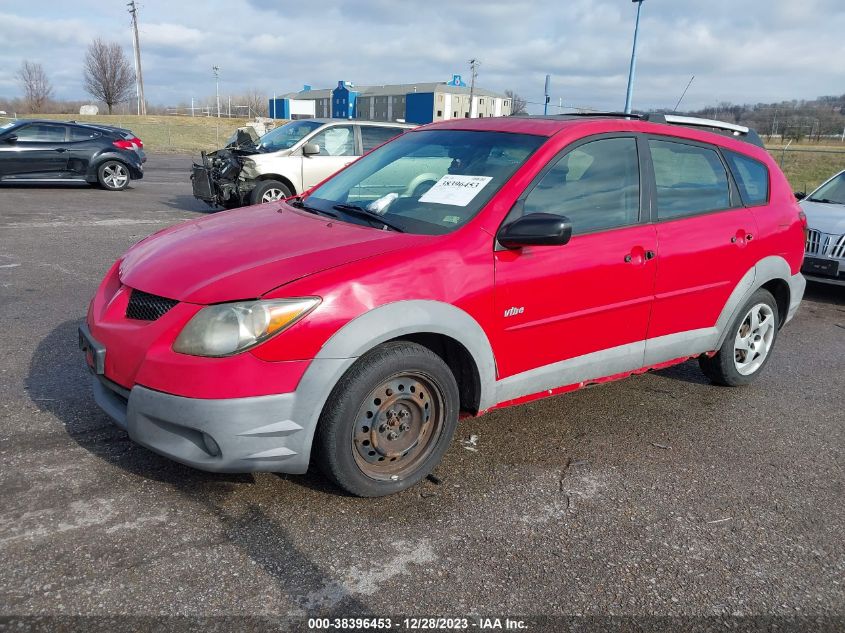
(764,271)
(367,331)
(394,320)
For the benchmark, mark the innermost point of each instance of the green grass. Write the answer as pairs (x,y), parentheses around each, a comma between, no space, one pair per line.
(806,170)
(173,134)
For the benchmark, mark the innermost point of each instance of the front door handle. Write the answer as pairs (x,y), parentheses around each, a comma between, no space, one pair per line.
(61,149)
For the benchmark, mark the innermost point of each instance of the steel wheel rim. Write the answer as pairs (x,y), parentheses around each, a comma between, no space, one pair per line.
(115,175)
(398,426)
(753,340)
(272,194)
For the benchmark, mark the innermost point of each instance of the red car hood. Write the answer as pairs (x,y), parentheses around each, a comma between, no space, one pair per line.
(245,253)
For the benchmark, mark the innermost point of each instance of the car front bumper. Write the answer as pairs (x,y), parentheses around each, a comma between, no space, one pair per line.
(270,433)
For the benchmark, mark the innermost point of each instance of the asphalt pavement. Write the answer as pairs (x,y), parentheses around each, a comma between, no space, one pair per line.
(660,495)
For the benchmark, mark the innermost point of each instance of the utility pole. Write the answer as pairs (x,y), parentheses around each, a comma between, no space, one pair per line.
(136,45)
(546,95)
(631,70)
(216,70)
(473,68)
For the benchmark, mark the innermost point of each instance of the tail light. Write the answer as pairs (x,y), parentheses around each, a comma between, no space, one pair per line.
(132,143)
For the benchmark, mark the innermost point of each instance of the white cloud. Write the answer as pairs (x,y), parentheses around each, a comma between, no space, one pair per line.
(756,50)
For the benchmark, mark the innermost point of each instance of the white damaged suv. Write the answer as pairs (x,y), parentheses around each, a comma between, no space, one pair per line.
(287,160)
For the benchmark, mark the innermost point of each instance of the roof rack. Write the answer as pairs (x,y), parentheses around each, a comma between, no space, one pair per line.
(697,122)
(719,127)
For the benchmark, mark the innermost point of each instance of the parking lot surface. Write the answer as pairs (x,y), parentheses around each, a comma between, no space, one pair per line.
(661,494)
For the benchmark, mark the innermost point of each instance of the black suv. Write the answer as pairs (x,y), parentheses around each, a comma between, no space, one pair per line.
(61,151)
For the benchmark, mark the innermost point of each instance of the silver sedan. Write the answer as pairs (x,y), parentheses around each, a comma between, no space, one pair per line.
(824,258)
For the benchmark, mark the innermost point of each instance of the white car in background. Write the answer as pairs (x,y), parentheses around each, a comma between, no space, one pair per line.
(824,258)
(287,160)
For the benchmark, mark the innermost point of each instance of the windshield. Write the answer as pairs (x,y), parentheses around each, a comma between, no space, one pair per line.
(7,125)
(428,182)
(287,136)
(832,191)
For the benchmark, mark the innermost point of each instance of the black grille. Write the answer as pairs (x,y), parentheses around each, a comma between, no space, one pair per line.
(146,307)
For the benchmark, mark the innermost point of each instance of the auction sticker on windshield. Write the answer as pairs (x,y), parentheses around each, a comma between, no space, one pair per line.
(456,190)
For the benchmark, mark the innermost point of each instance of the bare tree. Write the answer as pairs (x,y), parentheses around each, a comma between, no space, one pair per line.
(108,74)
(257,102)
(518,104)
(36,86)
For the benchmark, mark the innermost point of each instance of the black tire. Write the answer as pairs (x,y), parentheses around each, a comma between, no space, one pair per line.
(363,458)
(256,196)
(725,367)
(113,175)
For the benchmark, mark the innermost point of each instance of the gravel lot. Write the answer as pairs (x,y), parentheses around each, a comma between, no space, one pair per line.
(658,495)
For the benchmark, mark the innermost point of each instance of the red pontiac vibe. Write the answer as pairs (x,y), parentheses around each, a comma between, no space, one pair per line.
(462,266)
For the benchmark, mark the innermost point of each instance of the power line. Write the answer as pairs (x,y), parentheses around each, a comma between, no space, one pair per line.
(136,45)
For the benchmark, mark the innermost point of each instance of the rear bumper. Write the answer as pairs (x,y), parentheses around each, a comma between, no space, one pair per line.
(797,285)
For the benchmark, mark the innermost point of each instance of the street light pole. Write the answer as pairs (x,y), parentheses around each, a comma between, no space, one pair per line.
(216,70)
(633,59)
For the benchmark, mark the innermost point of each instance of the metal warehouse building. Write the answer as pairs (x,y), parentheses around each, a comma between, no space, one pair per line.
(414,103)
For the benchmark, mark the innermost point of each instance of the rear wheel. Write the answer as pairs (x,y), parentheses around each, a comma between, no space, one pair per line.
(268,191)
(749,343)
(113,175)
(388,421)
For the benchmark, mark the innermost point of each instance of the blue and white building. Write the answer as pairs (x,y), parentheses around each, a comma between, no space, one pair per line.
(413,103)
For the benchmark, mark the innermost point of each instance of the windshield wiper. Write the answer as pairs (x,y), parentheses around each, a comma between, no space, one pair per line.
(361,212)
(299,204)
(824,200)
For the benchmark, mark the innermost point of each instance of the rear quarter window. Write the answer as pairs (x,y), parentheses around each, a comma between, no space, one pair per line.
(752,178)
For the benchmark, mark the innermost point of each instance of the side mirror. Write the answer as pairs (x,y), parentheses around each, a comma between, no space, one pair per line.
(310,149)
(800,195)
(536,229)
(12,138)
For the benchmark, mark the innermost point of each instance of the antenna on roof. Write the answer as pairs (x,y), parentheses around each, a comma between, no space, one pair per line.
(683,93)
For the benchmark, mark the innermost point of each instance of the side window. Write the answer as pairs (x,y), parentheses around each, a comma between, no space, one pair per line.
(82,133)
(42,133)
(596,185)
(690,179)
(752,178)
(373,136)
(336,141)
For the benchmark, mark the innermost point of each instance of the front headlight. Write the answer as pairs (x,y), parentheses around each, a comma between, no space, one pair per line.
(230,328)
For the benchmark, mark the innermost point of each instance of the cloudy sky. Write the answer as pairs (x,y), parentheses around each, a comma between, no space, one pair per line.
(744,51)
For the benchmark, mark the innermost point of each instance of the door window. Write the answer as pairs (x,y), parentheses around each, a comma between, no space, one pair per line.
(336,141)
(42,133)
(690,179)
(596,186)
(373,136)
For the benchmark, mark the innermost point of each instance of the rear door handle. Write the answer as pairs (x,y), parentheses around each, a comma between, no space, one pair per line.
(61,149)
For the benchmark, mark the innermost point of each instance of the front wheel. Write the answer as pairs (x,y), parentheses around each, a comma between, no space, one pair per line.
(389,420)
(268,191)
(113,175)
(748,346)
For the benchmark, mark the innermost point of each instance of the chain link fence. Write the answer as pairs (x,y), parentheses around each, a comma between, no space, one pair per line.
(807,166)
